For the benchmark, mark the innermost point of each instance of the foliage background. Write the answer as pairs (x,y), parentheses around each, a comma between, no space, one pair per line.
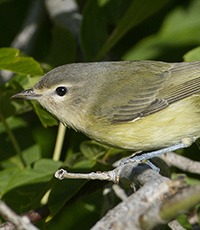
(94,30)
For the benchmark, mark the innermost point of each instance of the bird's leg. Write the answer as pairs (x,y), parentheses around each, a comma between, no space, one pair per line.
(149,163)
(144,157)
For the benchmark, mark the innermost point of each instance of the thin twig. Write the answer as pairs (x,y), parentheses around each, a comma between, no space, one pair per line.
(63,174)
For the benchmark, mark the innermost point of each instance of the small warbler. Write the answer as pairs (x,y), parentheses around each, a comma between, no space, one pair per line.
(133,105)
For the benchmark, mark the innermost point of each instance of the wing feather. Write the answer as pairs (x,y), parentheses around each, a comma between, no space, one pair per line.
(154,101)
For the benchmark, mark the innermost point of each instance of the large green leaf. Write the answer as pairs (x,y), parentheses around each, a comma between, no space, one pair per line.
(193,55)
(62,192)
(86,209)
(12,60)
(179,29)
(63,47)
(42,171)
(138,11)
(92,150)
(93,30)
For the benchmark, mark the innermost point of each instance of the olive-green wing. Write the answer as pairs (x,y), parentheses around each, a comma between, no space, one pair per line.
(181,91)
(134,111)
(142,103)
(128,90)
(156,98)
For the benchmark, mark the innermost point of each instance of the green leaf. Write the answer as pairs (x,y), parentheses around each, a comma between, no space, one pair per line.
(92,150)
(61,192)
(93,30)
(12,60)
(13,123)
(45,117)
(192,55)
(2,1)
(6,108)
(42,171)
(46,166)
(183,220)
(24,81)
(137,12)
(64,51)
(86,209)
(27,197)
(31,154)
(179,29)
(84,164)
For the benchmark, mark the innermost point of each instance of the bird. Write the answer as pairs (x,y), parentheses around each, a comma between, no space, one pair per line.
(148,106)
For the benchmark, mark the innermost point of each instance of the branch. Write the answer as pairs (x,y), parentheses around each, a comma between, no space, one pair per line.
(126,214)
(21,223)
(158,201)
(33,216)
(181,162)
(184,199)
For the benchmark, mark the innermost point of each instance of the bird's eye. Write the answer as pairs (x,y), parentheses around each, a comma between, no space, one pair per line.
(61,91)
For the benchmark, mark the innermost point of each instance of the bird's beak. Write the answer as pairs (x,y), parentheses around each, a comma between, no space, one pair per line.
(28,94)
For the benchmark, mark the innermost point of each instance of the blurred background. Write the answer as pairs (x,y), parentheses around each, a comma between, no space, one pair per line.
(37,36)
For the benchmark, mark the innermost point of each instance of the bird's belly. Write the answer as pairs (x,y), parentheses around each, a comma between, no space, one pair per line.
(164,128)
